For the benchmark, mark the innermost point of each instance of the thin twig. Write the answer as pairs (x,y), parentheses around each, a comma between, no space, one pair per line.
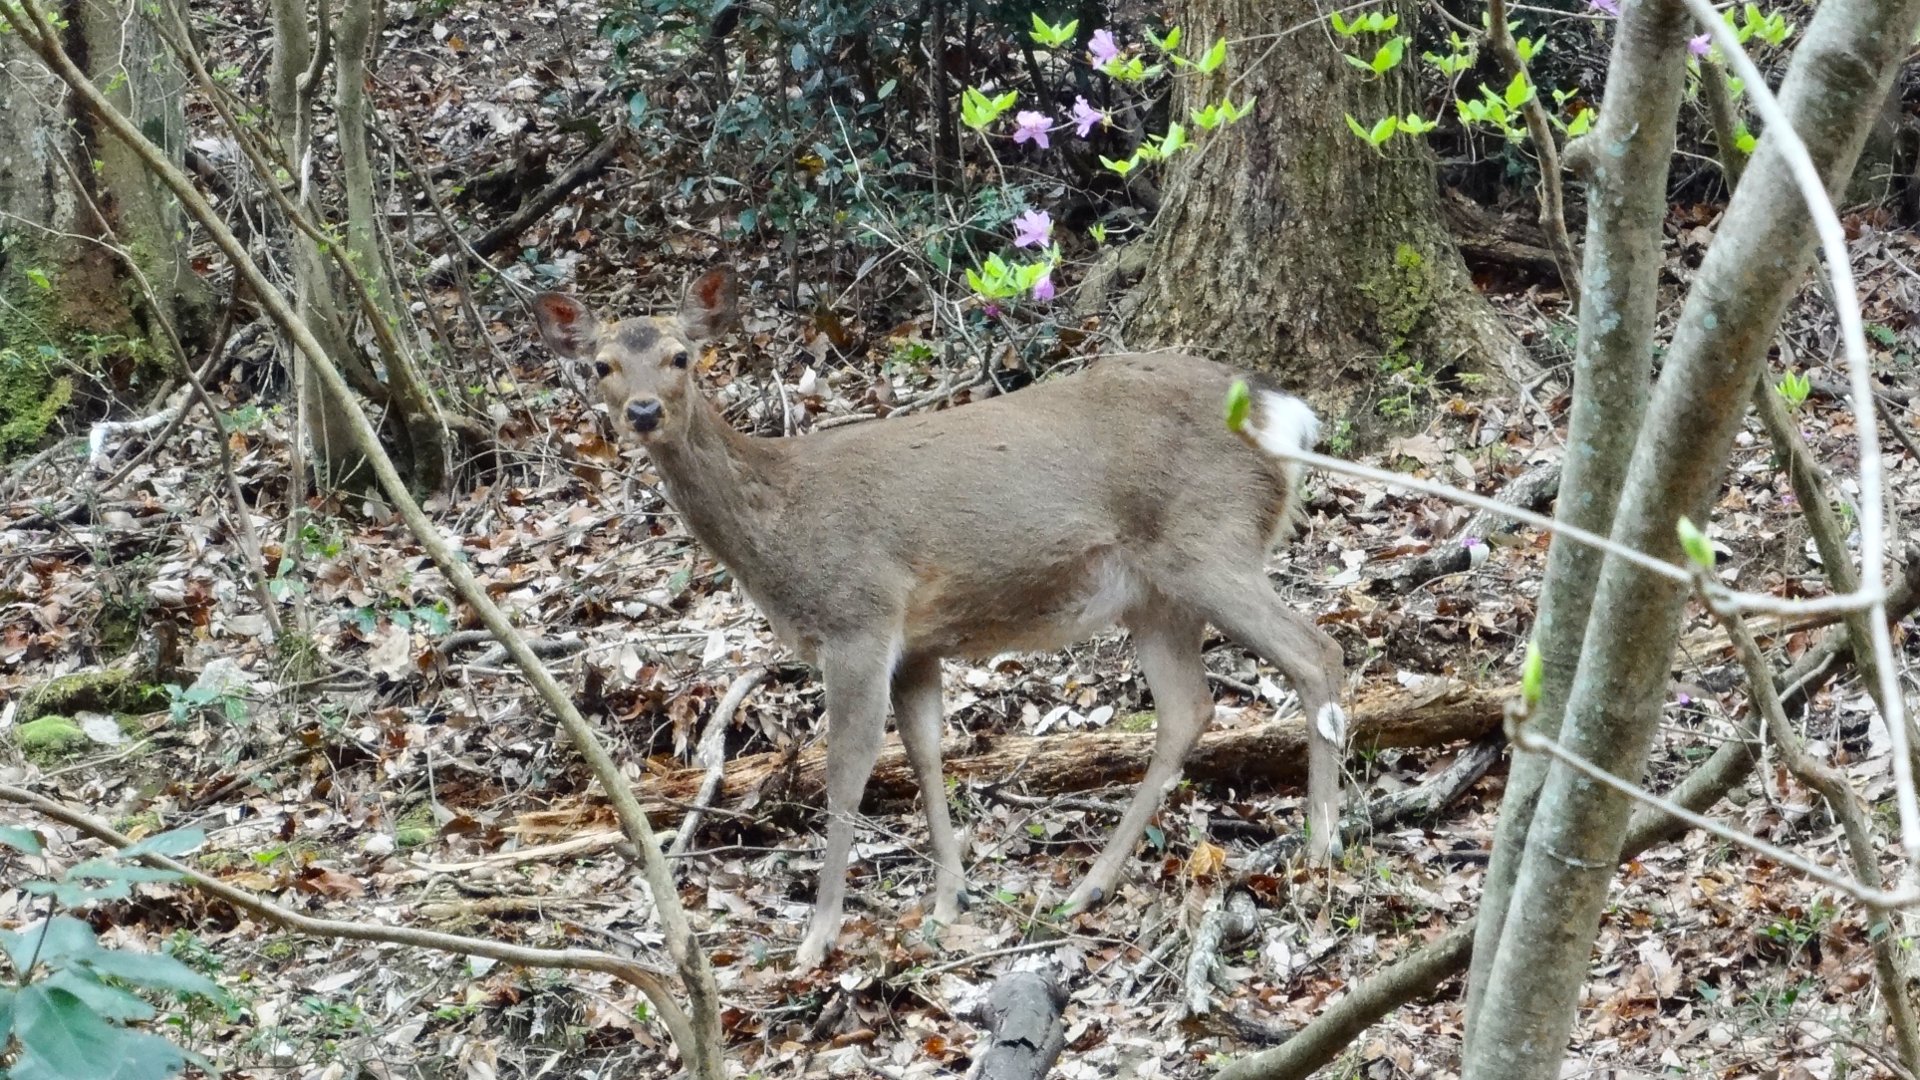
(712,753)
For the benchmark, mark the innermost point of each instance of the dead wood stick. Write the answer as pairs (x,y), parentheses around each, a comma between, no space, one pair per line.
(1531,490)
(712,754)
(1414,804)
(590,165)
(1025,1035)
(1224,925)
(1266,754)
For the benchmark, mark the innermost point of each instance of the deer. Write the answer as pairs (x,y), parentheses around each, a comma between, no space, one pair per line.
(1030,521)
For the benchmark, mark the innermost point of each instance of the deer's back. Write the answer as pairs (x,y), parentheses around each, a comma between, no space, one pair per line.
(1024,521)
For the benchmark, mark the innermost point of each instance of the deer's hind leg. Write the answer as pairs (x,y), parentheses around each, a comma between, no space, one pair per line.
(1245,607)
(1167,647)
(918,713)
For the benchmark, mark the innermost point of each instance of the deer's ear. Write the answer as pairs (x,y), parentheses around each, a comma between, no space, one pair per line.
(709,307)
(566,325)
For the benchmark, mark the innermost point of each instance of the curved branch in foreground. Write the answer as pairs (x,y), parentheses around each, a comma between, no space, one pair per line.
(703,1055)
(632,972)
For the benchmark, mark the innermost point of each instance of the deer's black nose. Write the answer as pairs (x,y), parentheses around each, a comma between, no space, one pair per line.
(645,415)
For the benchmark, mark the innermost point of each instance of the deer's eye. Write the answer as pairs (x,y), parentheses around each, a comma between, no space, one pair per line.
(680,359)
(602,368)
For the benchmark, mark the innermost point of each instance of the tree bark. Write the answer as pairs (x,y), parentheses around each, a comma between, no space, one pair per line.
(1285,244)
(63,191)
(1627,204)
(1833,91)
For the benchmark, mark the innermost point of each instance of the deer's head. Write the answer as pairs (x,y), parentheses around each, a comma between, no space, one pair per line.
(644,364)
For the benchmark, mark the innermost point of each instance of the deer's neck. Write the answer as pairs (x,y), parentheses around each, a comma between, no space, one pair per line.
(727,488)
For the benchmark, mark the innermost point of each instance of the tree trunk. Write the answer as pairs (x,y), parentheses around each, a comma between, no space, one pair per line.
(1286,245)
(1626,209)
(1834,87)
(61,191)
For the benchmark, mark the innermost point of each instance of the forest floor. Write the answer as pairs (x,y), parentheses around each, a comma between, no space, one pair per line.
(396,773)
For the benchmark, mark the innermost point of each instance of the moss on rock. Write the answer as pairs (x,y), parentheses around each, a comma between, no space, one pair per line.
(108,690)
(50,738)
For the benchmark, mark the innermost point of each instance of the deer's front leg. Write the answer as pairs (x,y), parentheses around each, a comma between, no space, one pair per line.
(857,676)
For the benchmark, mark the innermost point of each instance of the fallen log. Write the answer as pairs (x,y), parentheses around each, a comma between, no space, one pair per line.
(1024,1032)
(1257,757)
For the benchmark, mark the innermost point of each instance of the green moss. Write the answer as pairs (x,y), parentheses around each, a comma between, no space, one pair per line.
(143,824)
(49,739)
(1402,295)
(108,690)
(1139,721)
(415,827)
(31,397)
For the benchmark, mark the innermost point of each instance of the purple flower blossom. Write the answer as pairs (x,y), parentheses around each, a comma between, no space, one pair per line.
(1032,126)
(1103,47)
(1471,541)
(1683,699)
(1605,7)
(1085,116)
(1699,46)
(1032,229)
(991,311)
(1043,288)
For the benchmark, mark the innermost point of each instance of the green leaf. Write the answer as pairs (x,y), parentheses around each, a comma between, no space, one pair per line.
(1388,56)
(1050,35)
(1745,139)
(1233,114)
(173,843)
(55,943)
(156,971)
(886,90)
(1793,389)
(62,1039)
(1383,129)
(109,870)
(1121,167)
(110,1002)
(1354,126)
(1519,91)
(1342,27)
(1215,56)
(1695,543)
(22,840)
(1208,118)
(1239,405)
(1356,61)
(1532,675)
(1581,124)
(39,277)
(1172,142)
(1415,124)
(1166,44)
(1098,231)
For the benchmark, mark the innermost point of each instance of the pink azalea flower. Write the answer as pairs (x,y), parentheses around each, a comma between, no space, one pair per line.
(1605,7)
(1032,126)
(1032,229)
(1043,288)
(1103,47)
(1699,46)
(1085,116)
